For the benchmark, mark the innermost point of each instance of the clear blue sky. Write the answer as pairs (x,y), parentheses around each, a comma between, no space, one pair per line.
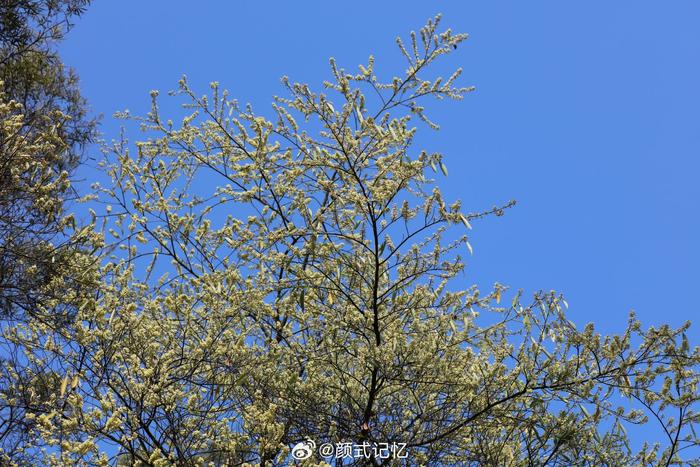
(585,112)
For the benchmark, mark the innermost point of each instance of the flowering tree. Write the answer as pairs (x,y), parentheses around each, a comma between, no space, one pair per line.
(43,132)
(268,281)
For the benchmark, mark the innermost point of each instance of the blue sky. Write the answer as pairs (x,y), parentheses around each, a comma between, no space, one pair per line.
(585,112)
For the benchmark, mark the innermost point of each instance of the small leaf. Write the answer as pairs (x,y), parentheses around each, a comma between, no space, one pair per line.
(443,169)
(75,382)
(64,385)
(453,326)
(469,247)
(621,427)
(465,221)
(583,409)
(359,115)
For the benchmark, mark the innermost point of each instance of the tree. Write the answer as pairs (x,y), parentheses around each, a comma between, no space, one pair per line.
(42,103)
(43,133)
(269,281)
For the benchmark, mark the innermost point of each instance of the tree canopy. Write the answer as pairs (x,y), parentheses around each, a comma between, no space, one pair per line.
(44,129)
(269,280)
